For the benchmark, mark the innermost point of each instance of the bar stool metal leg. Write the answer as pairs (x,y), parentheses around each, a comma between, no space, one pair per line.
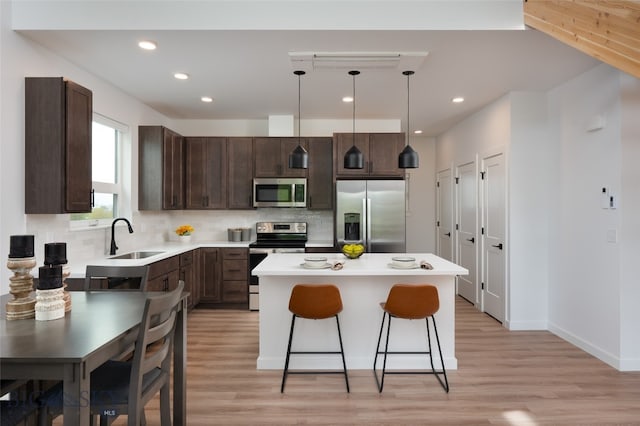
(344,363)
(380,379)
(445,385)
(286,361)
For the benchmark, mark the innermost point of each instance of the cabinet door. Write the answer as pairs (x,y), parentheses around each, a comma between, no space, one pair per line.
(342,143)
(79,119)
(267,158)
(206,173)
(287,145)
(384,149)
(187,274)
(240,175)
(157,283)
(320,181)
(57,149)
(210,276)
(172,171)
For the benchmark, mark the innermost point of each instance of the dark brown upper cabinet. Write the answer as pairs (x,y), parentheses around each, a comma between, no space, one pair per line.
(271,156)
(58,117)
(240,173)
(206,173)
(380,151)
(160,168)
(320,181)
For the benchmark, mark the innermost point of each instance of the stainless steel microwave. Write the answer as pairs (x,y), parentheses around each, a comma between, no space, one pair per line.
(280,192)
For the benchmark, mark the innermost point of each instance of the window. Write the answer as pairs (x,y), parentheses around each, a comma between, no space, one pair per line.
(107,136)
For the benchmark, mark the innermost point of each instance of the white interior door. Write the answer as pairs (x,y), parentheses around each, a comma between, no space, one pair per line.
(444,221)
(467,238)
(493,238)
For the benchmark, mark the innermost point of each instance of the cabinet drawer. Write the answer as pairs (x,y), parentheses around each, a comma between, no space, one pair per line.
(235,253)
(234,291)
(235,270)
(186,258)
(163,267)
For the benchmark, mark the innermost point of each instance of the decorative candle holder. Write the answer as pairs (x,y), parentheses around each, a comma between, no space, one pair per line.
(21,285)
(56,254)
(21,261)
(49,294)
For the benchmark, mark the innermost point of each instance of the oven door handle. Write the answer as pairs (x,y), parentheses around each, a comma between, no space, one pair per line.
(260,251)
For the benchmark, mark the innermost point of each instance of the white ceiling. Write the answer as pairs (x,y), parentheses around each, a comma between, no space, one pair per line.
(250,76)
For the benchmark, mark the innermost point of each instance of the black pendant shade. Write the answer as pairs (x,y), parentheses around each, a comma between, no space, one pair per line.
(408,158)
(299,158)
(353,158)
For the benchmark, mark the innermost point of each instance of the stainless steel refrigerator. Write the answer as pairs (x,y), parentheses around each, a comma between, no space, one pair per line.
(371,212)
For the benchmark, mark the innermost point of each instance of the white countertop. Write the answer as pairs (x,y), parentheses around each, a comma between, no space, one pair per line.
(168,249)
(367,264)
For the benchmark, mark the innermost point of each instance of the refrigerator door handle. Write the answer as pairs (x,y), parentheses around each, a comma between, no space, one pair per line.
(365,224)
(368,225)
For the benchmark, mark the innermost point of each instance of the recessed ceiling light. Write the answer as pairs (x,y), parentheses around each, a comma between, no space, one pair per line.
(147,45)
(206,99)
(457,100)
(417,132)
(181,76)
(347,99)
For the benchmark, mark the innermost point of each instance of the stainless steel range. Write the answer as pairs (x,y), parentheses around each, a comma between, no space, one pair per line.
(273,237)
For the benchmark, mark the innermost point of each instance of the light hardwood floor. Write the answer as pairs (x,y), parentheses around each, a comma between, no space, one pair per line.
(503,377)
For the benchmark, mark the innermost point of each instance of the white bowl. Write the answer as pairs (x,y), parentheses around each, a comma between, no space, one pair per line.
(315,261)
(403,261)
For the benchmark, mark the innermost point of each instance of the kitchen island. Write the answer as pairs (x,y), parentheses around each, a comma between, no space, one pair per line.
(363,284)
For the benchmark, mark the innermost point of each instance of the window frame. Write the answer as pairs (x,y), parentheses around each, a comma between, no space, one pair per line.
(121,208)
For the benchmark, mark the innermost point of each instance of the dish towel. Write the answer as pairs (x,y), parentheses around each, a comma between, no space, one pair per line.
(337,265)
(425,265)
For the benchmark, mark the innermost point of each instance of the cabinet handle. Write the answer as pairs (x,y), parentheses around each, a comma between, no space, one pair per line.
(93,198)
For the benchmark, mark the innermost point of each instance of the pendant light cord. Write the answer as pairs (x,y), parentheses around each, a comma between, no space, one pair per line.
(299,108)
(353,131)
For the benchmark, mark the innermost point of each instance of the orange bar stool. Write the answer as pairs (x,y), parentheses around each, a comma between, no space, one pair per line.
(411,302)
(314,301)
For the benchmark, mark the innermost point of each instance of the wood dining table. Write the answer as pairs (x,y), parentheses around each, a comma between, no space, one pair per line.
(100,325)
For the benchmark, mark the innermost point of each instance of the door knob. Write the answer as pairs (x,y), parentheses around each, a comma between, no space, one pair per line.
(448,234)
(471,240)
(498,246)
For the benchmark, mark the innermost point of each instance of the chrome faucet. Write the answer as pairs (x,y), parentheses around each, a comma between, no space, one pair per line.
(114,247)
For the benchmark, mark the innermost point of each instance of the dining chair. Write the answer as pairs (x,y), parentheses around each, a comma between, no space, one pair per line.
(124,388)
(132,278)
(17,405)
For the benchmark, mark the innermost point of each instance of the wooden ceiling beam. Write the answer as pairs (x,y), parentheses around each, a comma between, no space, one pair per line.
(607,30)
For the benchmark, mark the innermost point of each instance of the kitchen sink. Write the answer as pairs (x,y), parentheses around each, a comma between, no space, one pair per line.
(136,255)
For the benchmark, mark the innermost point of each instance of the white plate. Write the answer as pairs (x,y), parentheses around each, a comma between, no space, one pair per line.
(325,266)
(410,266)
(403,259)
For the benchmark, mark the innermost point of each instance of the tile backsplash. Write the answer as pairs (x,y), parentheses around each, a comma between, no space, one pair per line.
(152,228)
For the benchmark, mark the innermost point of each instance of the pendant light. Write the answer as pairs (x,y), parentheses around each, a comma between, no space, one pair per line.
(408,158)
(299,158)
(354,159)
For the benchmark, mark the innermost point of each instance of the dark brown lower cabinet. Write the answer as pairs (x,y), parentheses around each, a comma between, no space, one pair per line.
(164,274)
(188,275)
(224,278)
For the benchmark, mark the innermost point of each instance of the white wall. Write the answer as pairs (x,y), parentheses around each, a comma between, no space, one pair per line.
(421,195)
(629,223)
(529,185)
(584,273)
